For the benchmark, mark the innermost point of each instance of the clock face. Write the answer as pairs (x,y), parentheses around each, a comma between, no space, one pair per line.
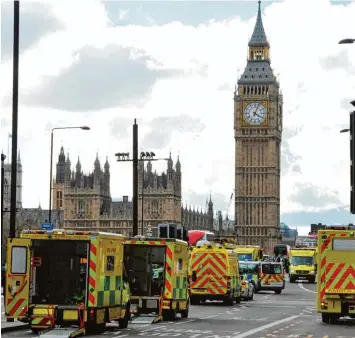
(255,113)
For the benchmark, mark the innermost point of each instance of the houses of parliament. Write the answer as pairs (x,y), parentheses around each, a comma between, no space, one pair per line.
(85,200)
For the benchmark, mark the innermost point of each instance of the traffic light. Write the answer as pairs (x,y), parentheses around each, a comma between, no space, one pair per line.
(352,160)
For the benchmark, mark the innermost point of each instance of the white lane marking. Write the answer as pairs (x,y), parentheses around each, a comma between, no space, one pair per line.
(303,288)
(264,327)
(153,328)
(185,321)
(307,311)
(209,317)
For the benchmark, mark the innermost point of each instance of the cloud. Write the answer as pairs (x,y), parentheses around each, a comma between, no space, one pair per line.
(162,129)
(330,216)
(345,103)
(36,20)
(313,197)
(220,201)
(289,159)
(338,61)
(189,13)
(119,127)
(93,66)
(101,78)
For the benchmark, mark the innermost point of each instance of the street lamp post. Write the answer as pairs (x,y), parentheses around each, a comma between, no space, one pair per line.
(144,156)
(51,167)
(346,41)
(351,130)
(3,157)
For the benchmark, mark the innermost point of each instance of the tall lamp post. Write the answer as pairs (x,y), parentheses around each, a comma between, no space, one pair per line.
(351,130)
(144,156)
(51,167)
(346,41)
(3,157)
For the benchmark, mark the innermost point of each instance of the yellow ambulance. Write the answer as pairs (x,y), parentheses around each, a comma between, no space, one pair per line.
(336,273)
(214,274)
(65,278)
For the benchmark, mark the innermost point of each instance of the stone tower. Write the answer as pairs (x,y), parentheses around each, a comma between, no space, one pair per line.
(257,132)
(7,184)
(161,194)
(59,181)
(86,197)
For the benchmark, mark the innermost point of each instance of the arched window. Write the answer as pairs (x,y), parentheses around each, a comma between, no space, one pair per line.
(155,206)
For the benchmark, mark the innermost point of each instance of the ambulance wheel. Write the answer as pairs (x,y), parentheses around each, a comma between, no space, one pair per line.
(228,300)
(329,318)
(169,315)
(36,331)
(292,280)
(237,300)
(278,292)
(325,318)
(95,328)
(252,296)
(333,319)
(185,313)
(194,301)
(123,322)
(312,280)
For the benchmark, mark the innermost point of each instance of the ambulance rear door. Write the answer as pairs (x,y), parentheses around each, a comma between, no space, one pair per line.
(17,277)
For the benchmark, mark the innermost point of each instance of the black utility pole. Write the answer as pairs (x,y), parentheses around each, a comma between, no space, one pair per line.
(142,225)
(3,157)
(135,178)
(13,203)
(145,156)
(352,160)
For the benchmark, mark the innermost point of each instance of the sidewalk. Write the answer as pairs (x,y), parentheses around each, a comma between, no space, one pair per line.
(10,326)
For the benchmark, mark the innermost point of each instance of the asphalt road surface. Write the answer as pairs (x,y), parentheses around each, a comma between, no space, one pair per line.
(291,314)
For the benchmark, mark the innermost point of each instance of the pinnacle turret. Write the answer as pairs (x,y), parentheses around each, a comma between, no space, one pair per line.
(258,38)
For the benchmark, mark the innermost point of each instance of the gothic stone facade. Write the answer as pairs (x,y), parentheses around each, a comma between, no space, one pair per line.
(257,130)
(7,185)
(86,199)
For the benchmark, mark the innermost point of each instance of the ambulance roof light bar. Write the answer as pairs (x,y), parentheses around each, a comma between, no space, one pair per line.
(339,227)
(60,232)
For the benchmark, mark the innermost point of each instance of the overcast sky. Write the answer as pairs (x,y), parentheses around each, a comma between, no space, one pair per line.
(173,66)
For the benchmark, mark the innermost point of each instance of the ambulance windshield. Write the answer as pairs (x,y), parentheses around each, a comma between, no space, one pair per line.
(248,267)
(295,260)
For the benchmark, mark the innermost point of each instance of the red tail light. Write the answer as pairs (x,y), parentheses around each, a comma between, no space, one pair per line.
(243,283)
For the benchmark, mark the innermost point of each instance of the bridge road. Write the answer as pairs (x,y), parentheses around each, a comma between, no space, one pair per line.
(290,315)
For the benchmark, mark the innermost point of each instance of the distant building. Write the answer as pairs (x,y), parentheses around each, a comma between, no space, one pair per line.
(223,226)
(7,185)
(288,235)
(86,203)
(316,227)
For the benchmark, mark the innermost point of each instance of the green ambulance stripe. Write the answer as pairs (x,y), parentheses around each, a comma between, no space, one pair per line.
(109,293)
(180,289)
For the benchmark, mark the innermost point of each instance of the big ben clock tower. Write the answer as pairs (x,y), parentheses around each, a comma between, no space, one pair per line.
(257,133)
